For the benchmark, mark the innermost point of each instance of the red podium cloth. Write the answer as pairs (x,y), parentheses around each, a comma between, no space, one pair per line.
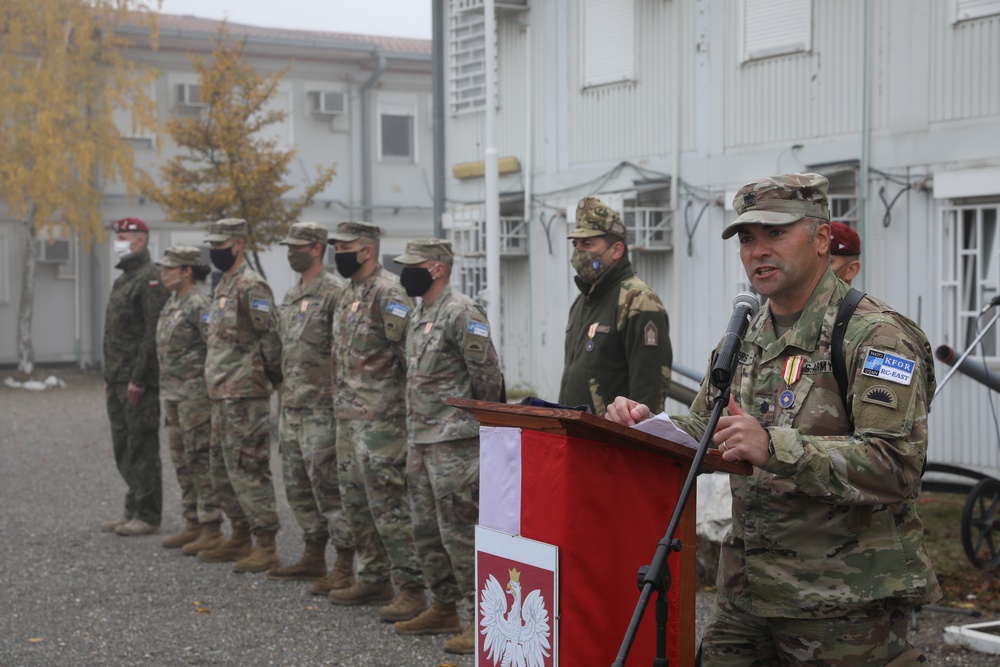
(605,508)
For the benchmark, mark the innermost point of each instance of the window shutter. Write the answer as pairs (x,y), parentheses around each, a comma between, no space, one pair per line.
(608,41)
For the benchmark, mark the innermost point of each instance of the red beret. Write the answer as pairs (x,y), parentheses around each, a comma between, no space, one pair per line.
(844,240)
(129,225)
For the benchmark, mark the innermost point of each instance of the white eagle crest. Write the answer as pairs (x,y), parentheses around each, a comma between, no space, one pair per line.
(519,638)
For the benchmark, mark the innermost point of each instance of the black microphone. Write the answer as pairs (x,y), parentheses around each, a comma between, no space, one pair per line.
(745,306)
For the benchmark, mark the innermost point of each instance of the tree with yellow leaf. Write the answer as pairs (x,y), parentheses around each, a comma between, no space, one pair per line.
(62,76)
(227,167)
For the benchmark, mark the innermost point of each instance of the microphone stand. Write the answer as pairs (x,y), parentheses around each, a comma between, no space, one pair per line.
(656,575)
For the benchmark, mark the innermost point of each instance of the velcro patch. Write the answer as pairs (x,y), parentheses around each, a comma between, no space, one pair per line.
(650,335)
(478,329)
(891,367)
(397,309)
(881,395)
(261,305)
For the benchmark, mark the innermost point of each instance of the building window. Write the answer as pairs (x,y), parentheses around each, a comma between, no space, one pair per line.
(128,125)
(608,41)
(396,143)
(467,59)
(966,10)
(970,273)
(775,27)
(843,194)
(5,264)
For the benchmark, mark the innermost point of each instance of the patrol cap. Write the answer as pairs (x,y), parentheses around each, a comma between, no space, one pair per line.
(844,240)
(352,231)
(423,250)
(305,233)
(594,218)
(129,225)
(780,200)
(226,229)
(180,255)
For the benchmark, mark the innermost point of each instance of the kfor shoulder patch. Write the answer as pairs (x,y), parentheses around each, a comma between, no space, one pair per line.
(261,305)
(891,367)
(881,395)
(395,317)
(478,328)
(397,309)
(473,343)
(650,335)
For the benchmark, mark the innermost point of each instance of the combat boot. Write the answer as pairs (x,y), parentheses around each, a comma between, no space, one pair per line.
(409,602)
(109,526)
(465,643)
(341,575)
(189,533)
(312,565)
(211,538)
(263,557)
(136,527)
(238,546)
(440,619)
(362,592)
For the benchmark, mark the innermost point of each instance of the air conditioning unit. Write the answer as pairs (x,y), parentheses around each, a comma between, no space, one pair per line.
(187,96)
(327,102)
(56,252)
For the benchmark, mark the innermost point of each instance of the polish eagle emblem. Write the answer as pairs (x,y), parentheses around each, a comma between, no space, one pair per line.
(518,637)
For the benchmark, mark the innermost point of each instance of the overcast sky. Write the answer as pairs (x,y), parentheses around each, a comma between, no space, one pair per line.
(397,18)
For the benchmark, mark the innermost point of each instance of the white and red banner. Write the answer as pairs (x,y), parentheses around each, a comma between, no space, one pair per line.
(604,507)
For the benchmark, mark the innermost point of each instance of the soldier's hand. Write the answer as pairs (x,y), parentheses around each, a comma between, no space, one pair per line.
(740,437)
(627,412)
(135,392)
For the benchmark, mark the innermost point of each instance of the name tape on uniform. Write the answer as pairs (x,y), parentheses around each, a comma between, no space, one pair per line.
(889,367)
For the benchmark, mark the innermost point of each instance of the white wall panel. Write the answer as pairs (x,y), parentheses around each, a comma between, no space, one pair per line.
(966,75)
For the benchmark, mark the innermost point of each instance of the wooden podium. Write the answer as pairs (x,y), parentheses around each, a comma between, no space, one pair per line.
(603,494)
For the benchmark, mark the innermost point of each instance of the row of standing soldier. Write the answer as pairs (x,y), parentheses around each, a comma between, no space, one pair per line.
(373,460)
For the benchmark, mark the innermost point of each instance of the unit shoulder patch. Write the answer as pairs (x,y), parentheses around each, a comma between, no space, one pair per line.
(881,395)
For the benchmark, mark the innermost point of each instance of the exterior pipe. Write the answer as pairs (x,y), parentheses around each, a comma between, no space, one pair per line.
(437,94)
(492,183)
(366,138)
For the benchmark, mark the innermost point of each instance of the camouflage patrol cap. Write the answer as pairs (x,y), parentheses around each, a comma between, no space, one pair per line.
(594,218)
(780,200)
(226,229)
(423,250)
(305,233)
(180,255)
(352,231)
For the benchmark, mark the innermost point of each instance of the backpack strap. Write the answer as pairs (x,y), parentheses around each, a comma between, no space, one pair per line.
(847,307)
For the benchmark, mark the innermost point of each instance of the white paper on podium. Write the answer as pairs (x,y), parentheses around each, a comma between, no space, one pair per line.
(662,426)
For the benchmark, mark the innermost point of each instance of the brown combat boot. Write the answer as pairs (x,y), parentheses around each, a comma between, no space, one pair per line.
(341,575)
(465,643)
(189,533)
(409,602)
(136,527)
(109,526)
(211,537)
(440,619)
(263,557)
(362,592)
(238,546)
(312,565)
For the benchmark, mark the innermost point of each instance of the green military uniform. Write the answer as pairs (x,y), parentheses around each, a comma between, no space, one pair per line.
(130,357)
(242,365)
(618,335)
(449,353)
(369,335)
(180,345)
(308,429)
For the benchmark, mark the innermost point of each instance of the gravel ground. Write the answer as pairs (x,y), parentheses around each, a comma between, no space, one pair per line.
(76,596)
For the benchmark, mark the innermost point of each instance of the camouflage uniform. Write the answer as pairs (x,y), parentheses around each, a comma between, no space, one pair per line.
(308,430)
(369,331)
(827,529)
(242,365)
(130,356)
(448,353)
(180,345)
(618,335)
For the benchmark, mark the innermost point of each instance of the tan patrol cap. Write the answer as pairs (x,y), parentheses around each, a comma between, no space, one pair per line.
(226,229)
(180,255)
(780,200)
(352,231)
(594,218)
(422,250)
(305,233)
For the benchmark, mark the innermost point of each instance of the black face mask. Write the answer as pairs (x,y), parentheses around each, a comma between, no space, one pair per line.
(416,281)
(222,258)
(347,263)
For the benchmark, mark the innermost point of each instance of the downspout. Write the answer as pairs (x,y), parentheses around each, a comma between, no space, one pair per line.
(366,137)
(676,166)
(865,147)
(437,94)
(492,183)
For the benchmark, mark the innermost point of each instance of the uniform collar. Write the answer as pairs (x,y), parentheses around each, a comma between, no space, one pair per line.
(423,310)
(134,261)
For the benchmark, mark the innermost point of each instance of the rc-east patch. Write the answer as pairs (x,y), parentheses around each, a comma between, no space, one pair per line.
(477,336)
(885,391)
(395,320)
(260,313)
